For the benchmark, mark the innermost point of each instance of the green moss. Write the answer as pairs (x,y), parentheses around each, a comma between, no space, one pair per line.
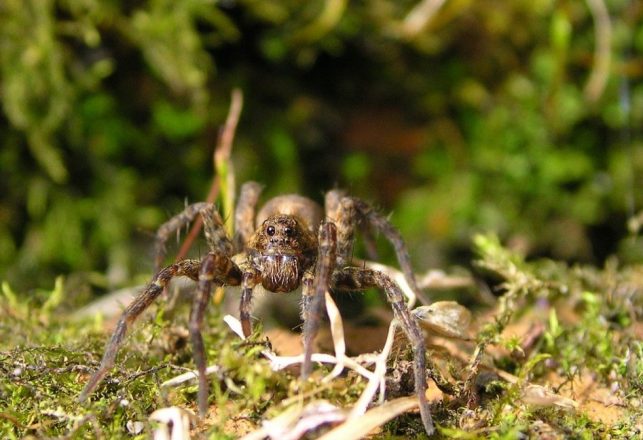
(46,357)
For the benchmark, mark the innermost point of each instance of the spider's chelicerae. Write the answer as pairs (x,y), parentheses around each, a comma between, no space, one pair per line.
(288,243)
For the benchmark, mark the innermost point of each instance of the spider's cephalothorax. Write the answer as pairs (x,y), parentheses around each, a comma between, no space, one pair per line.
(285,245)
(281,250)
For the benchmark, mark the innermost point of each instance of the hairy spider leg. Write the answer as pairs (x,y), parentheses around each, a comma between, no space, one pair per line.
(313,292)
(217,265)
(215,232)
(167,229)
(344,217)
(244,215)
(354,278)
(187,268)
(347,219)
(197,312)
(351,208)
(218,269)
(244,226)
(214,267)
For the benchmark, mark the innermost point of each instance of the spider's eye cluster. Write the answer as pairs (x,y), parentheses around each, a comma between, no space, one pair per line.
(270,230)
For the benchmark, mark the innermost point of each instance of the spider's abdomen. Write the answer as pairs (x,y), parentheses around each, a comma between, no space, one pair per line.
(280,273)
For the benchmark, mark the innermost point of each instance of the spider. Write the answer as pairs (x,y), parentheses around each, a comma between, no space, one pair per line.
(289,243)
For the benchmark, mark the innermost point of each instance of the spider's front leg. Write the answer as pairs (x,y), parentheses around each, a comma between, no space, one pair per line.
(215,269)
(314,287)
(354,278)
(187,268)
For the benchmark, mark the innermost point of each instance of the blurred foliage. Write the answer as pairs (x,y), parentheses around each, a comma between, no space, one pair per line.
(523,118)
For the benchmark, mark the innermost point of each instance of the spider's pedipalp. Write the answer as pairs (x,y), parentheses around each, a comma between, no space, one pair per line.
(187,268)
(250,278)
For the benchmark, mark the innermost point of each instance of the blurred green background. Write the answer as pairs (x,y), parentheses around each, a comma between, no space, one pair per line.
(520,117)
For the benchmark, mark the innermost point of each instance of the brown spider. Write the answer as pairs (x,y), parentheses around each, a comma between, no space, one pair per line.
(288,244)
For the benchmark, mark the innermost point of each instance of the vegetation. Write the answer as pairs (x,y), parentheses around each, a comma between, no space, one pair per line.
(588,350)
(460,117)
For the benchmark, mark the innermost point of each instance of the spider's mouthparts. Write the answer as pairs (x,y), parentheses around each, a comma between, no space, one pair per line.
(280,273)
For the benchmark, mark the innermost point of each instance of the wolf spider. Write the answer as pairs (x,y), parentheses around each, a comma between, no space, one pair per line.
(288,243)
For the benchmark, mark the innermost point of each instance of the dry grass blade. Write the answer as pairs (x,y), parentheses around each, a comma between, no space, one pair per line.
(280,362)
(224,178)
(540,396)
(420,16)
(377,381)
(337,331)
(437,279)
(296,421)
(190,375)
(602,53)
(223,161)
(378,416)
(235,325)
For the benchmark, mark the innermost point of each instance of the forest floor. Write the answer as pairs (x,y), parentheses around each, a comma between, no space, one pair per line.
(552,351)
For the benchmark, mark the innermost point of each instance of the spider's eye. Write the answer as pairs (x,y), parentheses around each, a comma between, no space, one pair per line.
(289,231)
(270,230)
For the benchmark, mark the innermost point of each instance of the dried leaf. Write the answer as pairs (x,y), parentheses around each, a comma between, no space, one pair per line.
(445,318)
(235,325)
(296,421)
(541,396)
(378,416)
(190,375)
